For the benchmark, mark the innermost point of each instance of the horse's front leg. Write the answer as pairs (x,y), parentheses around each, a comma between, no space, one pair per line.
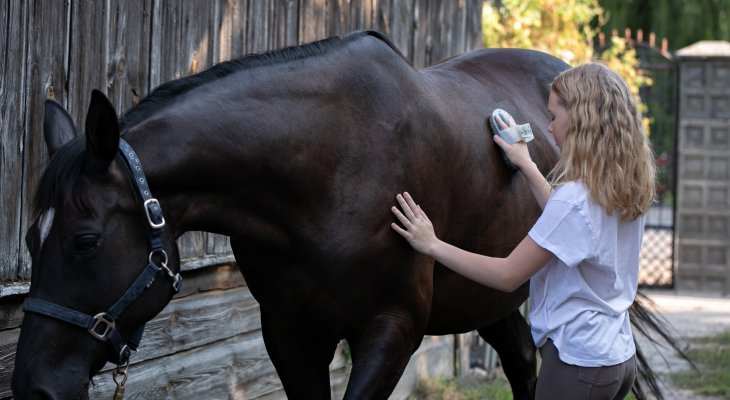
(380,353)
(301,356)
(384,344)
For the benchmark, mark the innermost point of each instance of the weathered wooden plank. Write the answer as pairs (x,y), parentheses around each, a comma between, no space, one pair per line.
(402,26)
(11,316)
(339,16)
(394,18)
(473,25)
(181,39)
(8,342)
(381,17)
(258,27)
(312,20)
(218,245)
(13,39)
(48,35)
(238,367)
(219,277)
(438,11)
(127,68)
(458,28)
(206,261)
(447,18)
(232,33)
(421,34)
(192,245)
(234,368)
(361,14)
(11,313)
(87,59)
(199,320)
(285,24)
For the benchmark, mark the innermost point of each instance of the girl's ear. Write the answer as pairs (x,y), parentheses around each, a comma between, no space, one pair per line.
(102,133)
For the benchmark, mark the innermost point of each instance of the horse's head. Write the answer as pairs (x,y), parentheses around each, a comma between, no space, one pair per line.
(100,259)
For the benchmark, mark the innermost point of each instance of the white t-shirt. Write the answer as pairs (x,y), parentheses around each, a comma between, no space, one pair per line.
(580,298)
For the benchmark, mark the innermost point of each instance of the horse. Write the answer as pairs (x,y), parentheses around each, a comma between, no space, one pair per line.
(296,155)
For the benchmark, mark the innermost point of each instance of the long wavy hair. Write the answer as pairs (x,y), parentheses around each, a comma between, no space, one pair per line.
(605,146)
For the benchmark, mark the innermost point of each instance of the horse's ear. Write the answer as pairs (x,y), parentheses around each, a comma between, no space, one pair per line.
(102,132)
(58,128)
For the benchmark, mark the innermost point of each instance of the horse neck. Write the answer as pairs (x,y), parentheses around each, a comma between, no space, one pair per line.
(210,168)
(250,144)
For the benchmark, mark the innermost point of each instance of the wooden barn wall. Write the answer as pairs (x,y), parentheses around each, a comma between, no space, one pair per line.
(64,49)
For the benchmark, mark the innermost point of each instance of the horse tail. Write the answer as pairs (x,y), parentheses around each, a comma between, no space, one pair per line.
(647,322)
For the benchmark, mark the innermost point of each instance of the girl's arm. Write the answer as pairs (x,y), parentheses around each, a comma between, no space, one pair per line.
(505,274)
(539,186)
(519,155)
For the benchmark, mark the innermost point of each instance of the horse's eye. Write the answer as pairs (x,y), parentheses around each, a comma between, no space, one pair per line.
(86,243)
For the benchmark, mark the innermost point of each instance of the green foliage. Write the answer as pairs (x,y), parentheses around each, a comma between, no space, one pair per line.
(566,29)
(559,27)
(682,22)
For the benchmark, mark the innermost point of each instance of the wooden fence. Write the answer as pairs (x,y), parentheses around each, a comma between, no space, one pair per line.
(64,49)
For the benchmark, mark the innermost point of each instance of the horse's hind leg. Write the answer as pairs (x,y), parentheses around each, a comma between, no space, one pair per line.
(511,338)
(301,358)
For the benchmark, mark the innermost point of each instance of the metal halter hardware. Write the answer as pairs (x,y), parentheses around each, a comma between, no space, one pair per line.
(102,326)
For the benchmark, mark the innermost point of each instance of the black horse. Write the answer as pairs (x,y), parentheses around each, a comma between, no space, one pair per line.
(297,156)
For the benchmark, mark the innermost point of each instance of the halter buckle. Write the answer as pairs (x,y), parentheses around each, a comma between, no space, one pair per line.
(101,320)
(152,208)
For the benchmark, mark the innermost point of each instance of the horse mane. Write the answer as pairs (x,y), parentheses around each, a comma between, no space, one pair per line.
(59,183)
(163,94)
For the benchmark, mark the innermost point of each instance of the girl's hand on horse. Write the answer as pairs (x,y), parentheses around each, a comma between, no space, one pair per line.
(517,152)
(418,228)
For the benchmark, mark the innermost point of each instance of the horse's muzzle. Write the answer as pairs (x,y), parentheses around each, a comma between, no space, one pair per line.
(30,385)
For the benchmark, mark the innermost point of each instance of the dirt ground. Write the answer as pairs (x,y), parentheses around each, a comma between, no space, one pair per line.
(691,315)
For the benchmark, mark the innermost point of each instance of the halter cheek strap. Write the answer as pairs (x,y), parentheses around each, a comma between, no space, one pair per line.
(102,326)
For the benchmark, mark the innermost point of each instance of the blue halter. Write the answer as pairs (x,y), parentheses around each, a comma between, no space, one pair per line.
(102,326)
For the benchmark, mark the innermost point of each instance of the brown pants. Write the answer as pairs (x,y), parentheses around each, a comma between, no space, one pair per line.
(558,380)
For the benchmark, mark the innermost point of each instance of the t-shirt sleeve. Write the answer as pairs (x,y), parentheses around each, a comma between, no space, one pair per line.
(564,231)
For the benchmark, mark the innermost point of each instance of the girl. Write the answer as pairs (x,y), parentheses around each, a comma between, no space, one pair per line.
(582,254)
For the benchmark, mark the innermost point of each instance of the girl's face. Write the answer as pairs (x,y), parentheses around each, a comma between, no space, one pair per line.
(559,119)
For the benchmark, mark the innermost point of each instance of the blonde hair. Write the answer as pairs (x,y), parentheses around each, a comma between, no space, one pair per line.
(605,146)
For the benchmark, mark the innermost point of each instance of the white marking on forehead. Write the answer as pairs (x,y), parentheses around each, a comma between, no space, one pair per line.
(46,222)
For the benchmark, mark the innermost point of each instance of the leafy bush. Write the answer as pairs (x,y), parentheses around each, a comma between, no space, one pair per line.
(566,29)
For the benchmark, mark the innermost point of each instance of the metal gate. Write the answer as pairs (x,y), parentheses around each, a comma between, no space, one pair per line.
(657,267)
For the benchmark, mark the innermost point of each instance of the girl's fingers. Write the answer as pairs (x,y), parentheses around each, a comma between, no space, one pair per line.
(423,214)
(402,218)
(400,230)
(411,203)
(407,209)
(500,142)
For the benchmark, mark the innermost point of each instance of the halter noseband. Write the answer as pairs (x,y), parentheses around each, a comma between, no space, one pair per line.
(102,326)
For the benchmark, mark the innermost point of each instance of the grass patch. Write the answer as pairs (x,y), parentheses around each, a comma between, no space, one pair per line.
(471,389)
(712,356)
